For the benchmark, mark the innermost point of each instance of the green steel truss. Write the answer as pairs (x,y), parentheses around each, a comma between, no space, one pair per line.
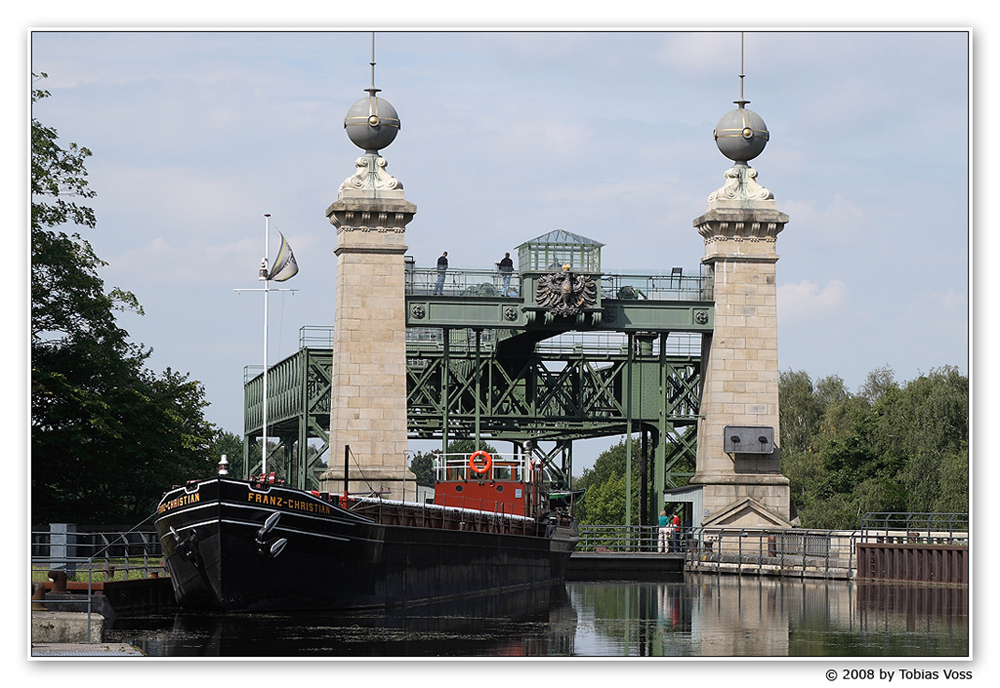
(298,411)
(480,373)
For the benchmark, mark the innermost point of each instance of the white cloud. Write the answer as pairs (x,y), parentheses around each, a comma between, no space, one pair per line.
(841,221)
(164,261)
(806,299)
(938,309)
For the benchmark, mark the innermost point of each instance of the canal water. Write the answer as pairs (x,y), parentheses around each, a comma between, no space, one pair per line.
(694,616)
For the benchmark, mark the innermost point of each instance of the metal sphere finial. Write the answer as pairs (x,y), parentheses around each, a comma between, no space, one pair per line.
(372,122)
(741,134)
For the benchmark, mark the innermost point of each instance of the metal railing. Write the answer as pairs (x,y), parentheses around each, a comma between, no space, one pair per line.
(921,527)
(315,336)
(461,282)
(617,539)
(459,466)
(601,343)
(116,555)
(673,286)
(91,557)
(669,287)
(781,551)
(785,551)
(778,551)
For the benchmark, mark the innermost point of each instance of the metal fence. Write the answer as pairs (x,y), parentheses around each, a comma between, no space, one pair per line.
(69,558)
(782,551)
(115,555)
(923,528)
(673,286)
(777,551)
(461,282)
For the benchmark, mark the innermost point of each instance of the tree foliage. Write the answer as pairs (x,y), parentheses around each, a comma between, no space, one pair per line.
(604,502)
(890,447)
(108,437)
(422,464)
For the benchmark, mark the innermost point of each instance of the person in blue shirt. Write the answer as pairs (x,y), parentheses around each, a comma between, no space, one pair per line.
(663,545)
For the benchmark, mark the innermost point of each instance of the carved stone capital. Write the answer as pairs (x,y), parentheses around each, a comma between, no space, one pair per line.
(370,180)
(741,190)
(371,214)
(739,225)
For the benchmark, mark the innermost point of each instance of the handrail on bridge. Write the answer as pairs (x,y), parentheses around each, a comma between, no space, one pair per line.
(749,548)
(471,282)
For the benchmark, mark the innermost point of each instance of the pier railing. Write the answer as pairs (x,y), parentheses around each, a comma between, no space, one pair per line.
(779,551)
(924,528)
(619,539)
(78,563)
(116,555)
(784,551)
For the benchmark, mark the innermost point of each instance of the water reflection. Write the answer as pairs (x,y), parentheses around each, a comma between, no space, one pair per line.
(730,616)
(692,616)
(524,623)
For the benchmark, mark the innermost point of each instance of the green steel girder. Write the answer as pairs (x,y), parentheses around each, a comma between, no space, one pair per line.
(545,397)
(488,376)
(298,410)
(562,395)
(613,315)
(680,459)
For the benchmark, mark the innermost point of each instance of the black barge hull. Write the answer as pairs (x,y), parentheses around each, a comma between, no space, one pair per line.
(239,546)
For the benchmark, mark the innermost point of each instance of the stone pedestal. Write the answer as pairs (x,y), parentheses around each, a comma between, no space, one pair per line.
(740,359)
(368,404)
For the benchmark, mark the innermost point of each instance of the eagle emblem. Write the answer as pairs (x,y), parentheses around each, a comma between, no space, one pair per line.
(566,292)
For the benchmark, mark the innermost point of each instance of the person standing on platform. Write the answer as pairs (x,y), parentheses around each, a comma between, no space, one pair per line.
(506,266)
(442,267)
(675,535)
(662,544)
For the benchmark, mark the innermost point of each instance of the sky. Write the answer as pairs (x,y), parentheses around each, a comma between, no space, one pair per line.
(507,135)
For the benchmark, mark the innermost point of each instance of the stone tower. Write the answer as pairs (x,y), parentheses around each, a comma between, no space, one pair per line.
(368,398)
(738,460)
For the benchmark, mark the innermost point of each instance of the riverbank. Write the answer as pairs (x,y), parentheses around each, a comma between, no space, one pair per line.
(106,650)
(73,634)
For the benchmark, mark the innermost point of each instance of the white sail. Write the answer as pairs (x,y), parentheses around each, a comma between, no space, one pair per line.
(285,266)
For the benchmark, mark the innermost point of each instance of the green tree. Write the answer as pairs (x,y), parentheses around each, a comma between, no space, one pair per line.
(891,447)
(806,410)
(107,435)
(422,466)
(604,501)
(801,411)
(231,445)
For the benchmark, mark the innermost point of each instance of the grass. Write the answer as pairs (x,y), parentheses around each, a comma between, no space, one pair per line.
(120,569)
